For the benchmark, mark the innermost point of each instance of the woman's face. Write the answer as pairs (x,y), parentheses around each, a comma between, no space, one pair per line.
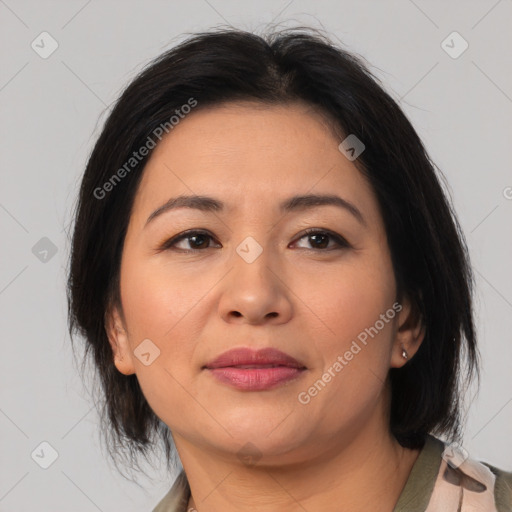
(254,278)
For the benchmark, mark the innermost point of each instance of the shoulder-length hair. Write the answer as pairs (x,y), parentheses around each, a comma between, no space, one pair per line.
(428,250)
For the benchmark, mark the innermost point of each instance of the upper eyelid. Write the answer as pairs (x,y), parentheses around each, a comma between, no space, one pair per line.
(184,235)
(342,241)
(309,231)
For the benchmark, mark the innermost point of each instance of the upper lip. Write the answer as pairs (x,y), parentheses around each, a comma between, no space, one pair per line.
(254,358)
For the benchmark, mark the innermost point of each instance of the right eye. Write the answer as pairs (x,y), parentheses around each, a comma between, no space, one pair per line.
(197,240)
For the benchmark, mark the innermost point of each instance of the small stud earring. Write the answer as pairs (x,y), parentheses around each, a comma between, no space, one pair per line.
(405,355)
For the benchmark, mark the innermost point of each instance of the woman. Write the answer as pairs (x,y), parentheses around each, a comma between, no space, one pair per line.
(271,281)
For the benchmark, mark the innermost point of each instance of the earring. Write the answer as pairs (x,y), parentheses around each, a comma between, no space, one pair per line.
(405,355)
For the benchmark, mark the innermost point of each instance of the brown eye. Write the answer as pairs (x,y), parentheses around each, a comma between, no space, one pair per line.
(324,240)
(196,240)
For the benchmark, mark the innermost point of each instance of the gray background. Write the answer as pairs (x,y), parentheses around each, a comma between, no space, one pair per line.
(52,110)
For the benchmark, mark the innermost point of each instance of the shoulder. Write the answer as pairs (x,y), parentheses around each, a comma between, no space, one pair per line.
(502,488)
(472,482)
(445,477)
(176,499)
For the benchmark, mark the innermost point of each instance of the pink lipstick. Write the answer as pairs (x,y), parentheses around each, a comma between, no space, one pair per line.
(252,370)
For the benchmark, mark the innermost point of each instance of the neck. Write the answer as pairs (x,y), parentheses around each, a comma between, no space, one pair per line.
(368,473)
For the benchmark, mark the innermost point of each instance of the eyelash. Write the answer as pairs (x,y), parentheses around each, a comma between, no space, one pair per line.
(168,245)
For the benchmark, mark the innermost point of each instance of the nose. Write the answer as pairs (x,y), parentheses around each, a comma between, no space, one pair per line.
(255,292)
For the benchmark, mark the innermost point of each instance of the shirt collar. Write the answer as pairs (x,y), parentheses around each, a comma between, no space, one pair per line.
(416,492)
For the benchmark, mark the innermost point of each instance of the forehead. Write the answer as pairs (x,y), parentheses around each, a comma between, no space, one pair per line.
(233,132)
(249,152)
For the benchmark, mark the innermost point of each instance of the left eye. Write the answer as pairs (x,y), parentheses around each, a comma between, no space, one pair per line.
(320,239)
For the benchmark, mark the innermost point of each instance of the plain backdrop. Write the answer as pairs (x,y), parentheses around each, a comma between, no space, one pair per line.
(52,109)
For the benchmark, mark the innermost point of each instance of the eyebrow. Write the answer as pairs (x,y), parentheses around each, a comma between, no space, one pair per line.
(295,203)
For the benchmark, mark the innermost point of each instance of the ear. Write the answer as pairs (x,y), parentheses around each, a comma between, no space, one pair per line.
(118,338)
(410,333)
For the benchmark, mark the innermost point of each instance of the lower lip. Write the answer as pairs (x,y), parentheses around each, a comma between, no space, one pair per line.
(255,379)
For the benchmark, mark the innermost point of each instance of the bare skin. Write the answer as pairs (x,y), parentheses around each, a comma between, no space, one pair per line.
(308,297)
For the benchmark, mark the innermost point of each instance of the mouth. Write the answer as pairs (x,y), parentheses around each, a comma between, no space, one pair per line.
(250,370)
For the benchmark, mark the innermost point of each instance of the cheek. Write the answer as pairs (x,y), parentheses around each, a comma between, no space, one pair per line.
(353,340)
(158,306)
(157,299)
(354,347)
(349,299)
(162,307)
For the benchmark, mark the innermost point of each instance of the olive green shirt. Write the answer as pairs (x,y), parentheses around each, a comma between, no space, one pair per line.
(431,484)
